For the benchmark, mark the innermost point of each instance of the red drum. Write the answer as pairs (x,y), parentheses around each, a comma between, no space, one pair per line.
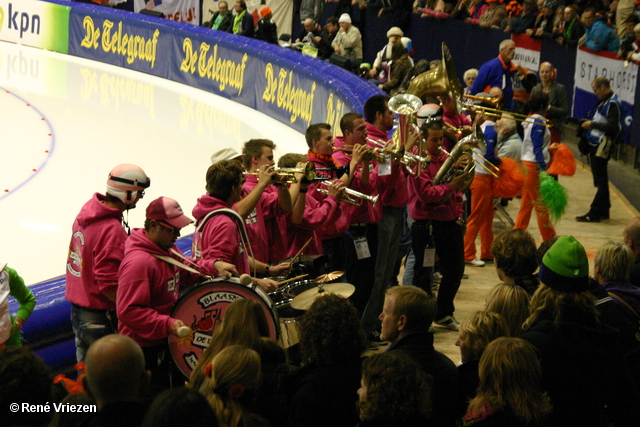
(202,308)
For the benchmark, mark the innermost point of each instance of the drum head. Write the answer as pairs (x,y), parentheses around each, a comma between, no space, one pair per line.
(202,309)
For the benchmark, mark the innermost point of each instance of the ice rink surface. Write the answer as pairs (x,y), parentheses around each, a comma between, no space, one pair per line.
(65,122)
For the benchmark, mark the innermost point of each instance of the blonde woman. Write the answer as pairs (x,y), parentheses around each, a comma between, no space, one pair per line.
(510,392)
(512,302)
(231,380)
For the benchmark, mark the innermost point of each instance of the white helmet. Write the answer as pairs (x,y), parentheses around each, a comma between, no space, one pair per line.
(125,181)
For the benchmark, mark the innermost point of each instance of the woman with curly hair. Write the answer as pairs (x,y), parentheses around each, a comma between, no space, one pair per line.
(230,382)
(393,391)
(512,302)
(509,393)
(584,369)
(244,324)
(476,332)
(331,342)
(514,252)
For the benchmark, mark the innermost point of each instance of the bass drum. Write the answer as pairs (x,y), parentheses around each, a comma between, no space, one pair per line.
(202,308)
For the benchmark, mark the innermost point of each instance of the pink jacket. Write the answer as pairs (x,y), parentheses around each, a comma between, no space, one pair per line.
(316,215)
(364,213)
(147,291)
(428,201)
(256,223)
(392,188)
(95,253)
(220,238)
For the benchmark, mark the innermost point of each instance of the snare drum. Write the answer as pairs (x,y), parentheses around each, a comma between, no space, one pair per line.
(202,308)
(289,319)
(299,287)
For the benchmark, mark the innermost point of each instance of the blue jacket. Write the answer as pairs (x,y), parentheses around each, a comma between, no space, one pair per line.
(496,73)
(601,37)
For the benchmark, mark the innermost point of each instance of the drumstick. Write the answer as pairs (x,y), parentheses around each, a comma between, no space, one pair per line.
(291,280)
(301,249)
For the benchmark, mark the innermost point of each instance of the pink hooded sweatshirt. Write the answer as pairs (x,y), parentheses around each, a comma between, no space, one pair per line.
(95,253)
(148,288)
(220,239)
(393,188)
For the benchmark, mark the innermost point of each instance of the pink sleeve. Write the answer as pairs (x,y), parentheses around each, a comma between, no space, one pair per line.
(133,302)
(422,188)
(220,241)
(318,214)
(108,259)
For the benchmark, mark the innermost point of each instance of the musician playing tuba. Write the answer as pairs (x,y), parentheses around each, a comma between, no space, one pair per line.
(437,214)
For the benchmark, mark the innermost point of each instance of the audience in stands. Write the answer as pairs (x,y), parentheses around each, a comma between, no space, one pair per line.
(242,24)
(545,22)
(267,30)
(117,380)
(222,19)
(348,41)
(583,367)
(509,393)
(380,68)
(495,14)
(393,392)
(398,69)
(230,383)
(180,407)
(598,34)
(631,237)
(570,30)
(407,315)
(514,252)
(331,342)
(525,21)
(512,302)
(476,332)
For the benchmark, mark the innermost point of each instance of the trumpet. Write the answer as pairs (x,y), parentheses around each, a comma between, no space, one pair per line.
(287,175)
(411,161)
(376,153)
(350,196)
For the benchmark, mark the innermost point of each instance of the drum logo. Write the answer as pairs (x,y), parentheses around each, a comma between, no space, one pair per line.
(217,297)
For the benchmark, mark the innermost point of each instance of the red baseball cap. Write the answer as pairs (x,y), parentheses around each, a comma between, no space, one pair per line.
(169,211)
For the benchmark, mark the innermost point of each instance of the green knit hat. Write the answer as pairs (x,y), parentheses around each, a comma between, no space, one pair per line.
(565,266)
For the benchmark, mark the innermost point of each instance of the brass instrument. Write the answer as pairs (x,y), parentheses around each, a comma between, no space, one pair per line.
(287,175)
(492,100)
(376,153)
(448,170)
(440,81)
(350,196)
(495,112)
(408,160)
(405,106)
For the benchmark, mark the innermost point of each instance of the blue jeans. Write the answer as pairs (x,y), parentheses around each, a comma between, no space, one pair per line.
(90,325)
(389,233)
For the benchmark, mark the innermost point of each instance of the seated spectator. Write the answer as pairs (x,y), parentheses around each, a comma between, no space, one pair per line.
(243,324)
(380,68)
(12,284)
(598,34)
(231,380)
(435,9)
(495,14)
(564,327)
(526,20)
(399,67)
(543,27)
(469,76)
(117,380)
(476,10)
(406,317)
(324,45)
(514,252)
(180,407)
(512,302)
(462,9)
(311,33)
(331,342)
(400,11)
(222,19)
(570,29)
(476,332)
(26,379)
(631,236)
(267,30)
(510,392)
(242,24)
(509,142)
(348,42)
(514,10)
(612,265)
(634,53)
(393,392)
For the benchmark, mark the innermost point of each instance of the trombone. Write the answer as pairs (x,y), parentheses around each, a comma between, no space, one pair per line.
(287,175)
(350,196)
(495,101)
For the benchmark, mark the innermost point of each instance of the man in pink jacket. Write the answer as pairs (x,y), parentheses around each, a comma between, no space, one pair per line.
(95,253)
(148,285)
(437,226)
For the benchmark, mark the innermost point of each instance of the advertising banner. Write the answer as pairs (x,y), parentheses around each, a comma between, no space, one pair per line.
(177,10)
(128,43)
(589,65)
(35,23)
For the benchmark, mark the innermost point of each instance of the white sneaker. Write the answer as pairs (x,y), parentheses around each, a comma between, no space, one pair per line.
(448,322)
(475,263)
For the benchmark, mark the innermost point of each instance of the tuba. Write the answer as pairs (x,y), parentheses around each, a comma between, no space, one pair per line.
(448,170)
(440,81)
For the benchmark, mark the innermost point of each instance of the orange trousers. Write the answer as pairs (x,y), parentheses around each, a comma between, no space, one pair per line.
(530,201)
(480,219)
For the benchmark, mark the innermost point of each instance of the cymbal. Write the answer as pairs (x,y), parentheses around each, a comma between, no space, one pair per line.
(306,298)
(325,278)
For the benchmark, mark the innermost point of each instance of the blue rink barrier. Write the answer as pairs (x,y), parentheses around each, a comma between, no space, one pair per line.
(295,89)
